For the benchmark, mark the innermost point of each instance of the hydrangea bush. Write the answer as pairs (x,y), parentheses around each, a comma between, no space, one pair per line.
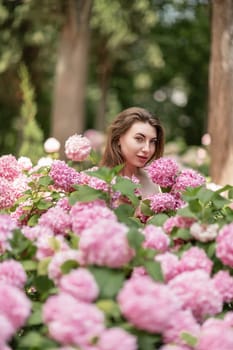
(87,264)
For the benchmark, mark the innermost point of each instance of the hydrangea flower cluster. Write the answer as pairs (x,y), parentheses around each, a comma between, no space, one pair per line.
(77,148)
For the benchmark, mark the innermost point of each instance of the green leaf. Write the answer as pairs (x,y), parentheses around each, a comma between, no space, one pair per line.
(195,206)
(85,193)
(42,204)
(189,339)
(45,181)
(42,268)
(183,234)
(219,201)
(158,219)
(33,221)
(145,208)
(127,188)
(29,265)
(110,281)
(35,318)
(43,284)
(123,212)
(154,270)
(109,307)
(205,195)
(69,265)
(211,249)
(186,212)
(148,341)
(135,238)
(37,340)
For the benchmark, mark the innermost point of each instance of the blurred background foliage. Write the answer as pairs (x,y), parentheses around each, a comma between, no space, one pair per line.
(150,53)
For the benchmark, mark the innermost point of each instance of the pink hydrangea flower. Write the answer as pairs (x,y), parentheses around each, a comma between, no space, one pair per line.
(64,204)
(228,318)
(170,265)
(163,171)
(182,322)
(155,238)
(52,145)
(188,178)
(81,284)
(148,305)
(57,219)
(105,244)
(7,225)
(177,222)
(174,347)
(6,330)
(9,167)
(93,181)
(117,338)
(195,258)
(14,305)
(215,335)
(204,233)
(72,322)
(77,148)
(64,177)
(197,292)
(96,138)
(34,232)
(25,163)
(9,194)
(223,282)
(224,247)
(47,245)
(161,202)
(54,268)
(85,214)
(12,272)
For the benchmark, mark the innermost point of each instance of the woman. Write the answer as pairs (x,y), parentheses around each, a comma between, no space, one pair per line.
(135,138)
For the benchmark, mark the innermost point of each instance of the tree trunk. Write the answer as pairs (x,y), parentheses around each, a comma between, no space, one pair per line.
(220,119)
(68,114)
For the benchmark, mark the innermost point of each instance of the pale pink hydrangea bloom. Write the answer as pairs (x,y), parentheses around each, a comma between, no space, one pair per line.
(155,238)
(12,272)
(9,167)
(196,291)
(215,335)
(161,202)
(25,163)
(52,145)
(182,322)
(81,284)
(34,232)
(6,330)
(224,247)
(117,338)
(7,225)
(163,171)
(170,265)
(93,181)
(57,219)
(223,282)
(195,258)
(177,222)
(9,194)
(174,347)
(105,244)
(204,233)
(47,245)
(44,162)
(77,148)
(14,305)
(64,204)
(188,178)
(72,322)
(58,259)
(85,214)
(63,176)
(96,138)
(228,318)
(148,305)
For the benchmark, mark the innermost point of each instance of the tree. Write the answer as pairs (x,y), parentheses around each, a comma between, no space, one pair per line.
(71,71)
(220,119)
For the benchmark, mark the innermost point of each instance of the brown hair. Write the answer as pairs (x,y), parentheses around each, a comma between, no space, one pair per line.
(112,155)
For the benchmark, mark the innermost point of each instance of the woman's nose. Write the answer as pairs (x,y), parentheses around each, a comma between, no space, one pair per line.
(146,147)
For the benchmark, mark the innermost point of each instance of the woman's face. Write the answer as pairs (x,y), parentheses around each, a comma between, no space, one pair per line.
(138,145)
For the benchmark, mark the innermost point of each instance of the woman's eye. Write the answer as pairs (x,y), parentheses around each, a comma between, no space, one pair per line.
(139,139)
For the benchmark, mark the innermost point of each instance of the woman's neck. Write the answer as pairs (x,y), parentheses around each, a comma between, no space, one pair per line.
(130,171)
